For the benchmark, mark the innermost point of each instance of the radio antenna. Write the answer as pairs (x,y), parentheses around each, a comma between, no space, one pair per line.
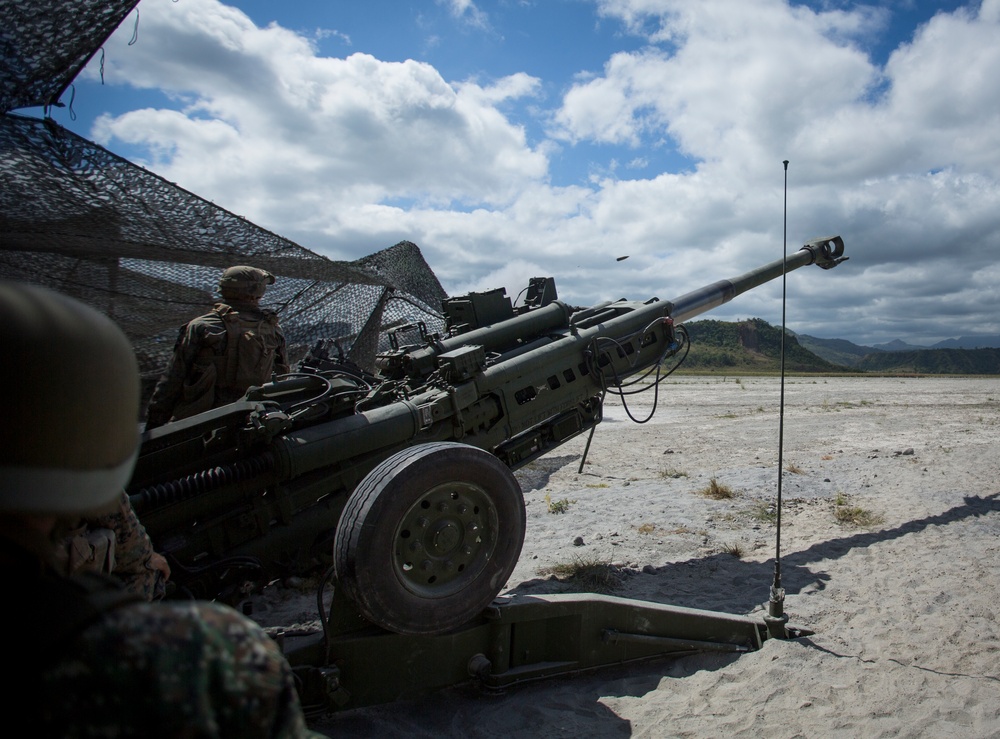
(776,617)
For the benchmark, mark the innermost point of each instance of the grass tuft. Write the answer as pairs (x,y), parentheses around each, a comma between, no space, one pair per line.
(717,490)
(592,575)
(557,506)
(852,515)
(764,512)
(733,549)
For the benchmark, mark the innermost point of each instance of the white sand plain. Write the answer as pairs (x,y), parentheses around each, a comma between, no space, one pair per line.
(906,641)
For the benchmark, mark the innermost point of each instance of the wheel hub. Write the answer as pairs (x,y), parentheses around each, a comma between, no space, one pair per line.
(445,539)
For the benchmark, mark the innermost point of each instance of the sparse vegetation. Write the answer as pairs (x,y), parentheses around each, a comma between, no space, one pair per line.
(592,574)
(851,404)
(717,490)
(646,528)
(557,506)
(794,469)
(764,512)
(673,472)
(733,549)
(852,515)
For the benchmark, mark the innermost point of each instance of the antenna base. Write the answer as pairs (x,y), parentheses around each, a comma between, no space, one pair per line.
(776,626)
(776,617)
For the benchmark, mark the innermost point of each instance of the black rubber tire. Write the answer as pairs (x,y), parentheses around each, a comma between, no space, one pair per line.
(429,537)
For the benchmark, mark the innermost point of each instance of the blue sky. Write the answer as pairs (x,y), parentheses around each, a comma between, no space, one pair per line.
(516,138)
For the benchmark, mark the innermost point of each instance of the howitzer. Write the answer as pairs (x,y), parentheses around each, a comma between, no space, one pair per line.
(404,477)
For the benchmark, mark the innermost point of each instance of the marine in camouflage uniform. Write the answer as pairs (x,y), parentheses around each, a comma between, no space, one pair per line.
(116,544)
(219,355)
(91,659)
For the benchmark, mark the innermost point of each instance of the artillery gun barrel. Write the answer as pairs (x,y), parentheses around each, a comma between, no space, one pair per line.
(556,361)
(827,252)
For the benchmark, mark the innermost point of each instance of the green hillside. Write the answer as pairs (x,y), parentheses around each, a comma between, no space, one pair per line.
(753,345)
(838,351)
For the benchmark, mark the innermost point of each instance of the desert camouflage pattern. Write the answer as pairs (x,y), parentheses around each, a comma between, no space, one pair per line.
(86,549)
(115,544)
(132,551)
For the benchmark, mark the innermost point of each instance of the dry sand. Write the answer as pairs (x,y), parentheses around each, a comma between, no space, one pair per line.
(906,638)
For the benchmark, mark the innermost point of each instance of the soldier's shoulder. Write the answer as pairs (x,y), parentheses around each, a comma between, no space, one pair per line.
(176,621)
(213,316)
(210,323)
(149,664)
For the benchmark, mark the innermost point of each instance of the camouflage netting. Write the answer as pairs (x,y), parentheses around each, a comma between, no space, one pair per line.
(45,43)
(81,220)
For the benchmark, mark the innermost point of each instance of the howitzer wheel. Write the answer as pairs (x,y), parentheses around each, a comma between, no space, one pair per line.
(429,537)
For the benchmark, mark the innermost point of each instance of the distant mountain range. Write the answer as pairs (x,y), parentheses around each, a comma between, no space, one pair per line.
(754,345)
(964,355)
(962,342)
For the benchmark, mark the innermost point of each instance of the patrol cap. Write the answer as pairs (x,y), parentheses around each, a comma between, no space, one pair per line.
(69,389)
(245,281)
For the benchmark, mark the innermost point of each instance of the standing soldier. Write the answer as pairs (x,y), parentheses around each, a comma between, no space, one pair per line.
(94,659)
(222,353)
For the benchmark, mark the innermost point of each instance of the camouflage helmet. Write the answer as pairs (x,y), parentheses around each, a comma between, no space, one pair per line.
(69,387)
(245,282)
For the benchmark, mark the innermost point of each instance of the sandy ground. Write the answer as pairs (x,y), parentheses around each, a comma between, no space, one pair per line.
(903,609)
